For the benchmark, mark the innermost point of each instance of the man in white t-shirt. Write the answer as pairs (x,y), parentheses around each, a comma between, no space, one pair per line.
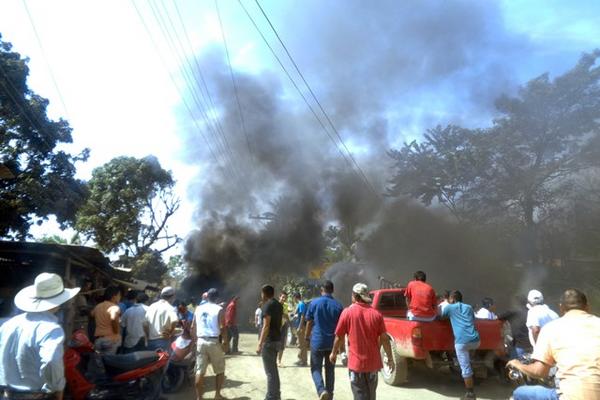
(487,309)
(539,314)
(133,321)
(161,321)
(208,327)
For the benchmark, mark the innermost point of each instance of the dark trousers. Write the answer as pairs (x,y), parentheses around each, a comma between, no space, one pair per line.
(316,369)
(364,385)
(269,358)
(233,334)
(140,346)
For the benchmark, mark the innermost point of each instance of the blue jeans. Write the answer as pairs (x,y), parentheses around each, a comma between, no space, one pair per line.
(535,393)
(269,358)
(316,369)
(464,359)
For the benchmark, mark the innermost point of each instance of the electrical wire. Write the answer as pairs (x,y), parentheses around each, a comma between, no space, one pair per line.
(174,81)
(51,72)
(351,164)
(364,177)
(190,78)
(233,80)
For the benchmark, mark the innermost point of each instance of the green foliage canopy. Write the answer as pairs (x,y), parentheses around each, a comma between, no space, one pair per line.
(129,205)
(44,181)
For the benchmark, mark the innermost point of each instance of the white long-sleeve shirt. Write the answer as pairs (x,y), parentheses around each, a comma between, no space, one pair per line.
(31,353)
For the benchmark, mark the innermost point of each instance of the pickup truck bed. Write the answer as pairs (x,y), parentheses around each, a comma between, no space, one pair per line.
(430,342)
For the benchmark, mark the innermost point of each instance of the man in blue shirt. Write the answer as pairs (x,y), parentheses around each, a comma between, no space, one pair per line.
(31,344)
(466,337)
(322,318)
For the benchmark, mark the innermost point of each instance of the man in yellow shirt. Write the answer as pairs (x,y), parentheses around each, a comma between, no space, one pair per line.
(572,344)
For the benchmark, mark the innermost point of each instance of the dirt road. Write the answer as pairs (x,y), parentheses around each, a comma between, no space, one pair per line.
(246,381)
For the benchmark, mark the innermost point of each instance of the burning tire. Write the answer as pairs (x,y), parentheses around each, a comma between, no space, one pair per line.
(399,375)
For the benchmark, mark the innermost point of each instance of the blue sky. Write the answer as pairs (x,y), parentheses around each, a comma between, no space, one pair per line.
(121,99)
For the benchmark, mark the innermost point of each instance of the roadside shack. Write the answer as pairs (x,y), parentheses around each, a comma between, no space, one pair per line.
(21,262)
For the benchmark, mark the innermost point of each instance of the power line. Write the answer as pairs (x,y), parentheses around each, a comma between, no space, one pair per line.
(22,109)
(312,110)
(174,81)
(233,81)
(190,77)
(364,177)
(52,77)
(292,80)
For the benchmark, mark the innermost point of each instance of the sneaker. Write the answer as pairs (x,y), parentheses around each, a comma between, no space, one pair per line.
(324,395)
(469,396)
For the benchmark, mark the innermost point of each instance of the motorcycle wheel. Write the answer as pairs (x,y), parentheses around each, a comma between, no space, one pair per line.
(172,379)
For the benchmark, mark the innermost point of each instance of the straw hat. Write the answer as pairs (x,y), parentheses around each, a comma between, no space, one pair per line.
(46,293)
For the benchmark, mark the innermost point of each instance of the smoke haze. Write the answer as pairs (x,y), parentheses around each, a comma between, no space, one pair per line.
(384,74)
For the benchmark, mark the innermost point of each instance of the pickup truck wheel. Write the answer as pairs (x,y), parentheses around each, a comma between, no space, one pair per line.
(400,373)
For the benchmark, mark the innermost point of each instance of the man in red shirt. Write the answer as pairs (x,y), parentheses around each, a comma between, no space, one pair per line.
(366,331)
(420,299)
(233,332)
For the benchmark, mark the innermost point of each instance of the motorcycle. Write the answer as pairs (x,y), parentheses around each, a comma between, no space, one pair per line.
(181,365)
(93,376)
(519,378)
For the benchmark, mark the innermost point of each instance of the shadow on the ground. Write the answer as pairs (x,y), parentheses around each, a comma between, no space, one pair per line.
(452,385)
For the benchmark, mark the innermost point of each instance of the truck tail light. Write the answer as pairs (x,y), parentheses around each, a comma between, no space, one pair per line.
(416,333)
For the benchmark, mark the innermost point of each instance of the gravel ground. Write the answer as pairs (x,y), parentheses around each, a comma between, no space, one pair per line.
(245,380)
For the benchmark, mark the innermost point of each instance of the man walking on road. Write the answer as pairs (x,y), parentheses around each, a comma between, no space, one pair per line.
(232,326)
(321,319)
(207,326)
(31,344)
(466,337)
(366,332)
(161,321)
(270,340)
(300,314)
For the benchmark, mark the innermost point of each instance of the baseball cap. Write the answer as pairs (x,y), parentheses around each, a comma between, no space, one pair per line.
(363,291)
(167,291)
(535,297)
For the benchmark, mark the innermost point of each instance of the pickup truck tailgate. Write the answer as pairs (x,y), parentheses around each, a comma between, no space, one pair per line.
(414,339)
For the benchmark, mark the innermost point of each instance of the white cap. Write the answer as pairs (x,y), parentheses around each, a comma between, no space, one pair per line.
(535,297)
(167,291)
(363,291)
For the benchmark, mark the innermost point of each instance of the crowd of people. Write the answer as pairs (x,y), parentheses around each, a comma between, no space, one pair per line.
(31,343)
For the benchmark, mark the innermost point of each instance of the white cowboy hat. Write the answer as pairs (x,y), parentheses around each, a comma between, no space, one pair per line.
(46,293)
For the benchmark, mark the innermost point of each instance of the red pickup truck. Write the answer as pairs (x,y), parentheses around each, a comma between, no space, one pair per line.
(430,342)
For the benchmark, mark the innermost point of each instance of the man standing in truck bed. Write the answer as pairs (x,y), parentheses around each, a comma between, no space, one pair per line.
(420,299)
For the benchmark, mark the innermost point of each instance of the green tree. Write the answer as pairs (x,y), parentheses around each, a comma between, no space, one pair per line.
(43,181)
(522,167)
(128,209)
(148,266)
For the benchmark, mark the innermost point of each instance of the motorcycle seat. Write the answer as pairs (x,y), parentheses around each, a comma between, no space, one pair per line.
(131,361)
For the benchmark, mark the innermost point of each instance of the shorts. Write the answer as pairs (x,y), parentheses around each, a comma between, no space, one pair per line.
(209,351)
